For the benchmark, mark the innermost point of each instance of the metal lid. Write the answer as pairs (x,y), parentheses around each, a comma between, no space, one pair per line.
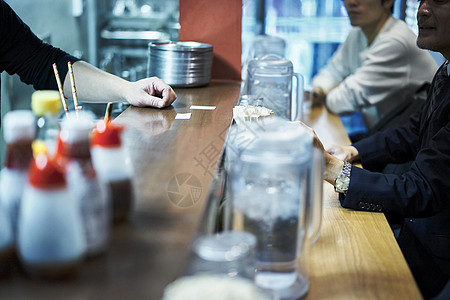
(181,47)
(180,64)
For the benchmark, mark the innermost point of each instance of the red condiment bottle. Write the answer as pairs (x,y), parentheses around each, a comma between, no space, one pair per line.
(50,238)
(113,167)
(91,196)
(19,130)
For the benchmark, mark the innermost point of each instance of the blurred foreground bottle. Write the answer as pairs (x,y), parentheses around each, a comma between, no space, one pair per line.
(112,166)
(82,180)
(46,105)
(50,239)
(6,241)
(19,130)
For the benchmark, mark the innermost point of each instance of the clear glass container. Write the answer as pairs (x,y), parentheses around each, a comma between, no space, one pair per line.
(272,198)
(271,78)
(231,253)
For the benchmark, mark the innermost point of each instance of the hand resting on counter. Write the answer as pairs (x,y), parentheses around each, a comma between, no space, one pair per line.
(95,85)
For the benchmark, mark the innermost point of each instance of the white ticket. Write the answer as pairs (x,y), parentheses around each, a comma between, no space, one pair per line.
(203,107)
(185,116)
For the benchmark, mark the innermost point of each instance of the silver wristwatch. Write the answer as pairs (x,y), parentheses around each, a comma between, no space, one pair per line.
(342,181)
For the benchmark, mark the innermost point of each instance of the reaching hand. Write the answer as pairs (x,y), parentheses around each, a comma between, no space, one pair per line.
(347,153)
(150,92)
(333,165)
(318,97)
(316,141)
(95,85)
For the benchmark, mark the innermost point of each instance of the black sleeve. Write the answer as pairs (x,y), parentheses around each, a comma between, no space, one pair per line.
(23,53)
(394,145)
(423,190)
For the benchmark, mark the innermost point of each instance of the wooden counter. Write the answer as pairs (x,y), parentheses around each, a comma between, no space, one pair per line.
(356,255)
(175,161)
(151,249)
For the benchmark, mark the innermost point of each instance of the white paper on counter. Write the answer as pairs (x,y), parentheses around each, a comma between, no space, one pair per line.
(203,107)
(185,116)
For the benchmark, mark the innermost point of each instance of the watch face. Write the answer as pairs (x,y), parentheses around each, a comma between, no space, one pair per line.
(342,183)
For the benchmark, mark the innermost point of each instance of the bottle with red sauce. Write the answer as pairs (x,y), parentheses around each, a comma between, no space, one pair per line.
(50,238)
(83,183)
(19,130)
(113,167)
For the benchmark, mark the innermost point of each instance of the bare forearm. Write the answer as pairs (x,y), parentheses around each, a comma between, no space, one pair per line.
(333,167)
(95,85)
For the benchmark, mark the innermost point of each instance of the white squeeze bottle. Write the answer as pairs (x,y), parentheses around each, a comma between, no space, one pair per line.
(19,130)
(50,239)
(113,167)
(82,180)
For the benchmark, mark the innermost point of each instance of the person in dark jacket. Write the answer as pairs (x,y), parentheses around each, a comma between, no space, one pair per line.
(422,194)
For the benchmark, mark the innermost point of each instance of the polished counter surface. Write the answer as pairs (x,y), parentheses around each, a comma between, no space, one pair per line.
(175,163)
(356,255)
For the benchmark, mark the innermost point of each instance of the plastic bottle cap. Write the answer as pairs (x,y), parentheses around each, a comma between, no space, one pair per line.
(44,173)
(38,146)
(107,134)
(43,102)
(19,124)
(77,126)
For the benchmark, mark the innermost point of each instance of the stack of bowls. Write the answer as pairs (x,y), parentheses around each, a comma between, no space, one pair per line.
(180,64)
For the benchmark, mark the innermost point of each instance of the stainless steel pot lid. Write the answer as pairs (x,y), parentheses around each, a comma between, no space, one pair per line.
(181,47)
(180,64)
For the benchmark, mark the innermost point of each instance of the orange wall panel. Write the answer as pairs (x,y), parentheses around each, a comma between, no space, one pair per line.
(218,23)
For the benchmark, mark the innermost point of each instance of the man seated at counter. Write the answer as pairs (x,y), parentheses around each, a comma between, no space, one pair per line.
(420,195)
(377,68)
(23,53)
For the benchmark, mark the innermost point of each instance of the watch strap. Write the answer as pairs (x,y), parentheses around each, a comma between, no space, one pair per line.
(342,181)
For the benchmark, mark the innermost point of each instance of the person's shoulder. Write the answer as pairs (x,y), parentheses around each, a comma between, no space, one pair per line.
(4,5)
(396,32)
(5,11)
(398,29)
(355,32)
(400,25)
(355,37)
